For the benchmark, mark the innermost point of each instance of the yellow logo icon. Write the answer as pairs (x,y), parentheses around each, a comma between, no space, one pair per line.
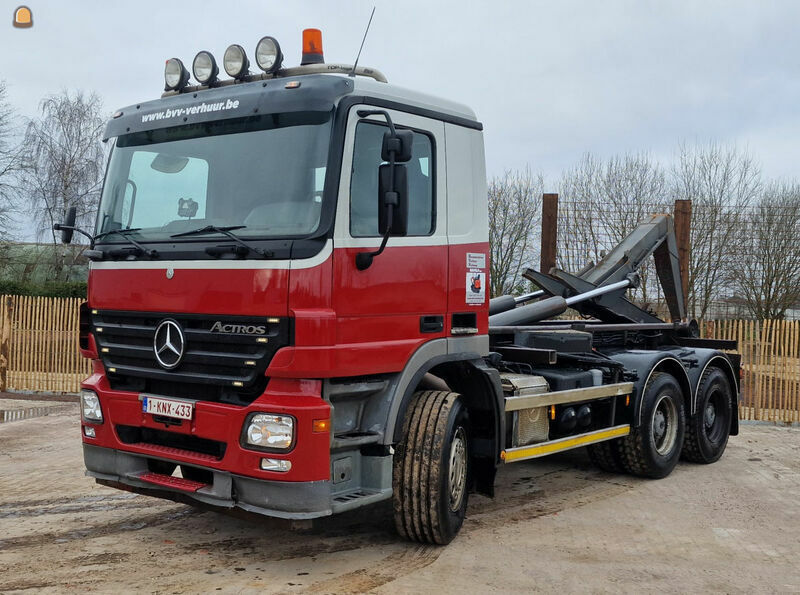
(23,17)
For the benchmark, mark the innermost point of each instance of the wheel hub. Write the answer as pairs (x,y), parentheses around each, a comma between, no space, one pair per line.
(457,480)
(710,415)
(665,425)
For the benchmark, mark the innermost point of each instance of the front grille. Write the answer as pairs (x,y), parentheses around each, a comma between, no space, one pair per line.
(218,366)
(167,443)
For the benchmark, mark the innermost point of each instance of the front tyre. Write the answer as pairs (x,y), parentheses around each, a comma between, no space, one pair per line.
(431,469)
(708,429)
(653,449)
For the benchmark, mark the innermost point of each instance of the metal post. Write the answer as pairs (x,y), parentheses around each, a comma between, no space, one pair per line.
(683,223)
(549,231)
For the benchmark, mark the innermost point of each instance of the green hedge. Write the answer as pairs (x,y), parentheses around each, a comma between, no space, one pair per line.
(63,289)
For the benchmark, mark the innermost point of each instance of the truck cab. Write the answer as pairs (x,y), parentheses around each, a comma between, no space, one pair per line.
(287,307)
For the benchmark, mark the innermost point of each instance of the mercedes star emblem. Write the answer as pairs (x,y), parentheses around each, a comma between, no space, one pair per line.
(168,344)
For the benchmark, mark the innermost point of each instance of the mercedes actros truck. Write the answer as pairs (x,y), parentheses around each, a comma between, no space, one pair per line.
(287,310)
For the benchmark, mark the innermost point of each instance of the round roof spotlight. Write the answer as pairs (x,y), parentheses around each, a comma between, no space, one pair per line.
(175,75)
(235,61)
(205,68)
(268,54)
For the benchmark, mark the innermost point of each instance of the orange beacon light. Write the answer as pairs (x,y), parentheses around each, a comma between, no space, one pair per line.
(312,47)
(23,18)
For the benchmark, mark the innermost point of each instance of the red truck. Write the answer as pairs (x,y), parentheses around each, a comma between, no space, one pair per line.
(287,310)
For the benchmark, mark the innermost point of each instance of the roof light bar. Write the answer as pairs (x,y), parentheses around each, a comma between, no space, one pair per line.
(312,47)
(205,68)
(236,62)
(268,54)
(175,75)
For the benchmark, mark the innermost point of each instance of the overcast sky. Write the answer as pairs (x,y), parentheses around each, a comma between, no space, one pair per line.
(549,80)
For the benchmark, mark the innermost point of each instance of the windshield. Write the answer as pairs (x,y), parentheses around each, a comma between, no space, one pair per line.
(265,173)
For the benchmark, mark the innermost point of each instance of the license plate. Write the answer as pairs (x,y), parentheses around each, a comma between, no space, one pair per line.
(167,407)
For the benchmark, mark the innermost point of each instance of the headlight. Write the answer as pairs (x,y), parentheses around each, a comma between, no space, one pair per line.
(90,407)
(175,75)
(269,431)
(268,54)
(235,61)
(205,68)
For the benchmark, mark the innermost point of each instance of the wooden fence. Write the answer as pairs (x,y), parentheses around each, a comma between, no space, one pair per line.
(770,366)
(39,352)
(39,344)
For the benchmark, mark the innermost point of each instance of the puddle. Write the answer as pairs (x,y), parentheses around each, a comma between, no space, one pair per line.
(7,415)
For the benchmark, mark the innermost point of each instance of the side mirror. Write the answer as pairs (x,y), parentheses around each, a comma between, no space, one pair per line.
(400,143)
(392,196)
(67,228)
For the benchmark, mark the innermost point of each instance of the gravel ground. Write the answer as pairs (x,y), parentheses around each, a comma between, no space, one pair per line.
(555,525)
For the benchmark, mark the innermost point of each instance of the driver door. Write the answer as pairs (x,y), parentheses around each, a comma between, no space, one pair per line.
(388,310)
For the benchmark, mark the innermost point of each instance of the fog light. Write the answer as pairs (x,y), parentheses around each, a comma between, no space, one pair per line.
(276,465)
(269,431)
(88,431)
(90,407)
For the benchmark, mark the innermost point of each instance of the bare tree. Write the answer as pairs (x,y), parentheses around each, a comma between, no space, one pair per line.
(768,272)
(10,162)
(515,202)
(64,156)
(601,203)
(721,181)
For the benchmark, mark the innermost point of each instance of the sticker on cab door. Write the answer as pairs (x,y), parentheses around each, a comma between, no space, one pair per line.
(476,260)
(476,288)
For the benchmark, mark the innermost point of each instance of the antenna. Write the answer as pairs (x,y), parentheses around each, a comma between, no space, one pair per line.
(353,72)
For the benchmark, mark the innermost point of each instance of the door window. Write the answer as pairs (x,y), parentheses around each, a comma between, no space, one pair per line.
(364,183)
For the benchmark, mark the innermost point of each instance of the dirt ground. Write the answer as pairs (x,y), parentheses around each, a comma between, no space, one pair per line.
(556,525)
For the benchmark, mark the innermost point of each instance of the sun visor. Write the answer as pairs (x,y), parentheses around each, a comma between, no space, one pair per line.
(309,93)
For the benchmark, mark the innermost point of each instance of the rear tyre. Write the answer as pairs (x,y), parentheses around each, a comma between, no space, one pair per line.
(653,449)
(431,470)
(606,456)
(707,430)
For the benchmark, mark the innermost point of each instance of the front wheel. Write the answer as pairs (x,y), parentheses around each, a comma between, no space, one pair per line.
(432,468)
(653,449)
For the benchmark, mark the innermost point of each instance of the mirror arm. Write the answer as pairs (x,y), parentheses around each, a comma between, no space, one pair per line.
(61,227)
(364,259)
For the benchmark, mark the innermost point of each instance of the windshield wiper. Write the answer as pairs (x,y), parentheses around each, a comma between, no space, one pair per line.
(226,231)
(140,250)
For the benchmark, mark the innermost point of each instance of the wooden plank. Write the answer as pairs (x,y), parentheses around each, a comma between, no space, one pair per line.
(549,232)
(683,222)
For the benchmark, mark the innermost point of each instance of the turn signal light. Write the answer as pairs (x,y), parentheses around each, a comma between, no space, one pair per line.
(321,425)
(312,47)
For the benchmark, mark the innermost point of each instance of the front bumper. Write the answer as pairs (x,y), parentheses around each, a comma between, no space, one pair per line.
(283,499)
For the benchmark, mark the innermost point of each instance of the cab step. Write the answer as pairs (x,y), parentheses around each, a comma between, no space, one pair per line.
(168,481)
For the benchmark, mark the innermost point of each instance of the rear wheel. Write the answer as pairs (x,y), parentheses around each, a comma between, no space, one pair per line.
(653,449)
(432,468)
(707,430)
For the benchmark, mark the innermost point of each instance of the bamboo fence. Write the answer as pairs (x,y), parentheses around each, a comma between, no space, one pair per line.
(39,352)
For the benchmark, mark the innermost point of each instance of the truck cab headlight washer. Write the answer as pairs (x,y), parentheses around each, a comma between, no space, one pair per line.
(90,407)
(175,75)
(270,432)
